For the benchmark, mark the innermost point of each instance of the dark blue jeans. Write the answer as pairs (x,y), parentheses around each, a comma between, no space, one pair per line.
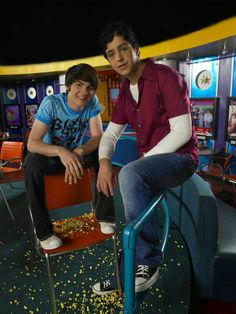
(36,166)
(139,182)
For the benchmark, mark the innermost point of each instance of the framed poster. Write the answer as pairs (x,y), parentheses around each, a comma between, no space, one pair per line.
(205,117)
(113,94)
(12,116)
(30,112)
(231,120)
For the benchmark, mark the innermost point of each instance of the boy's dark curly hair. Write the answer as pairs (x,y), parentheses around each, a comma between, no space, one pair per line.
(117,28)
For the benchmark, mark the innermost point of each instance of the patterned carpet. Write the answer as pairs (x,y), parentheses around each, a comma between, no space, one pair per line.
(23,274)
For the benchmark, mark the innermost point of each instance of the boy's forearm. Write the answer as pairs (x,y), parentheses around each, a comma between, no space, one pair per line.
(49,150)
(90,146)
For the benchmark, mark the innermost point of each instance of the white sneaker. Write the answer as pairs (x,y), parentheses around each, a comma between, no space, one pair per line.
(50,243)
(107,227)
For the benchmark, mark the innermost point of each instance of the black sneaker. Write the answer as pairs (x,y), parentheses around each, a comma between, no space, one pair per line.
(145,277)
(104,287)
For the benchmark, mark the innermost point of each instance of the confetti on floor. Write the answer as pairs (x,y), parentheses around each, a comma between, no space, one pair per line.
(23,276)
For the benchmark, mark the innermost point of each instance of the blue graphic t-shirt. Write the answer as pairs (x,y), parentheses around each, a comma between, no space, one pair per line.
(66,126)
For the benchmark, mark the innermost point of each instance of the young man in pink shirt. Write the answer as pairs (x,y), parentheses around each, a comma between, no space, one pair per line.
(154,100)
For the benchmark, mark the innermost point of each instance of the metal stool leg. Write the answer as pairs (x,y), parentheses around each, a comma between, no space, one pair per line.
(7,204)
(51,285)
(117,266)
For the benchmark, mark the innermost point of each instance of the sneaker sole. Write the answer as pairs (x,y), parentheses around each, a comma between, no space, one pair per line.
(50,248)
(107,231)
(102,293)
(147,284)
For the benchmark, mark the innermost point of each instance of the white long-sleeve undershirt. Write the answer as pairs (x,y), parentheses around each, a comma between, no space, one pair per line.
(109,139)
(180,133)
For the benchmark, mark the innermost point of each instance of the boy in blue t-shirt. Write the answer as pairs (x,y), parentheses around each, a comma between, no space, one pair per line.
(56,144)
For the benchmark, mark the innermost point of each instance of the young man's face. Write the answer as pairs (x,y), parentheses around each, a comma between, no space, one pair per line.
(80,93)
(122,56)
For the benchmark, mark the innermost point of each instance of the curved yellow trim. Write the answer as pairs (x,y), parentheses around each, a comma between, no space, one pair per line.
(218,31)
(38,68)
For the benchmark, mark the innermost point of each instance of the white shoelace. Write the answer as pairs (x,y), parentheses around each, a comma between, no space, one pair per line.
(143,271)
(106,284)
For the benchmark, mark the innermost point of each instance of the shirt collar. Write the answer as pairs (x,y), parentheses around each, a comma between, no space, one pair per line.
(148,73)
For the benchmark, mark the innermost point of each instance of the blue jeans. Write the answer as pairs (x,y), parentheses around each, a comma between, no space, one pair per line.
(139,182)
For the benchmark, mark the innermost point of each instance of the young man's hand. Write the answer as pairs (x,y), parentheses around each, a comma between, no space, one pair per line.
(73,164)
(105,178)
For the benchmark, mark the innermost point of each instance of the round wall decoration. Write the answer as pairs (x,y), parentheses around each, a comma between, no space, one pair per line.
(31,92)
(11,94)
(204,79)
(49,90)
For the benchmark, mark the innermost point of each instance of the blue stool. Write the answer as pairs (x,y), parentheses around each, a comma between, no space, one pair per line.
(133,229)
(129,243)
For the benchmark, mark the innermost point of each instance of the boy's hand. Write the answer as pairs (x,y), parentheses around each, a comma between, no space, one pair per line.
(105,180)
(73,164)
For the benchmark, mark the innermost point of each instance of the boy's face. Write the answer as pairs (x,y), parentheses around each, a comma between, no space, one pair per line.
(79,94)
(122,56)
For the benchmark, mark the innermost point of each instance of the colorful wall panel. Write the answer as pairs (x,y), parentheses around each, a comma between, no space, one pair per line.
(109,83)
(20,102)
(10,95)
(31,93)
(12,116)
(30,113)
(233,93)
(103,99)
(49,87)
(204,80)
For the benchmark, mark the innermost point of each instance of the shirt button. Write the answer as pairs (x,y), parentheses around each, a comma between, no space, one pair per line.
(137,110)
(139,125)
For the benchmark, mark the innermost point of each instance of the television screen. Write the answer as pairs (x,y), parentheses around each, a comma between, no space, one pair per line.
(205,117)
(231,120)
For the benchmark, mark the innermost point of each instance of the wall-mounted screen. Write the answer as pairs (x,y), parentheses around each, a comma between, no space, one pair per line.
(231,120)
(205,117)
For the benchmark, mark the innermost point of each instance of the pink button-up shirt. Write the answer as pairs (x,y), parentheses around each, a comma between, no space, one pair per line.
(163,94)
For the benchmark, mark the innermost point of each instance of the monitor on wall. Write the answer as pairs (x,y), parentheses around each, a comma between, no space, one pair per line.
(231,120)
(205,117)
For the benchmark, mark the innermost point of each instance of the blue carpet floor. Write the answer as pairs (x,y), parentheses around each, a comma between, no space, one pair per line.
(23,275)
